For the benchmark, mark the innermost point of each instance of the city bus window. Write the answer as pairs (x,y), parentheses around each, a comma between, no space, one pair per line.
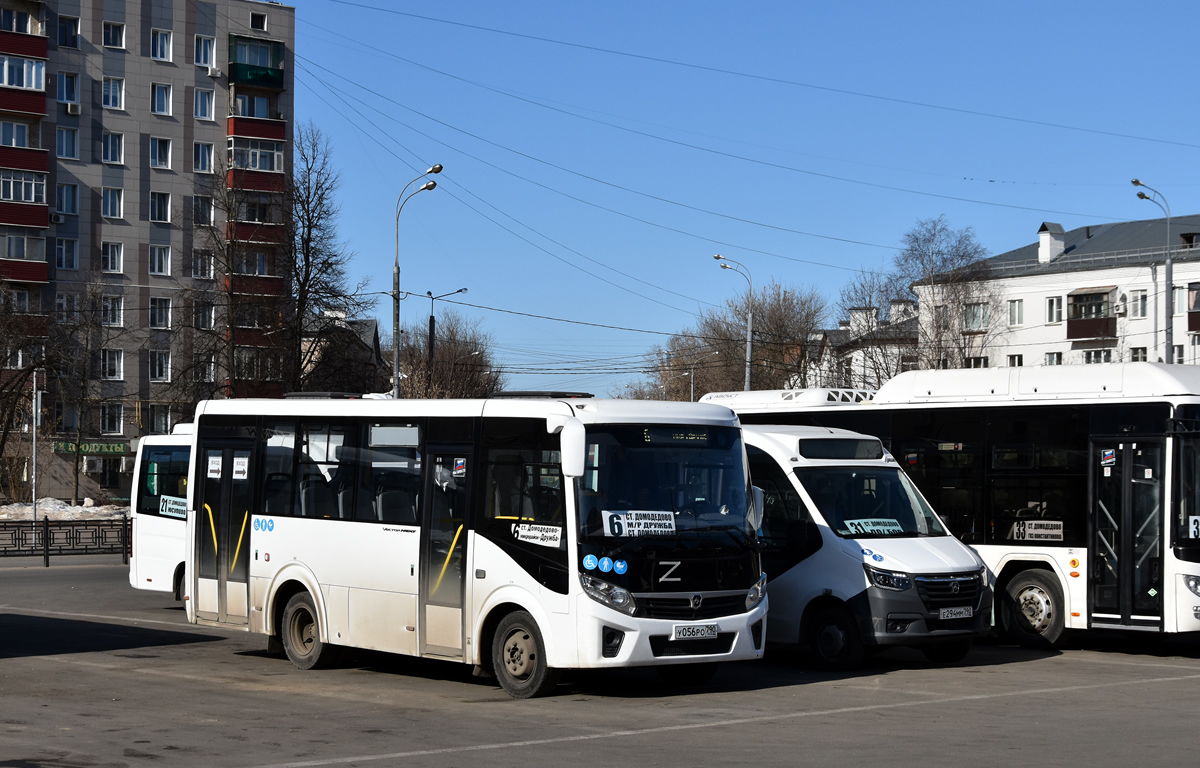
(789,534)
(390,474)
(325,470)
(164,482)
(279,448)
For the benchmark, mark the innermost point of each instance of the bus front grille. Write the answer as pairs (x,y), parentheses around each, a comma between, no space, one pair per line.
(680,608)
(663,645)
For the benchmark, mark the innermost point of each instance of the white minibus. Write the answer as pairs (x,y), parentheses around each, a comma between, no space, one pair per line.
(158,511)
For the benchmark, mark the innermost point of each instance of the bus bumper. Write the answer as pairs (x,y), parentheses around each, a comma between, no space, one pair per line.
(900,618)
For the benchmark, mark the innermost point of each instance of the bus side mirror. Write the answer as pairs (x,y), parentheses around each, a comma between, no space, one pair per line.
(572,436)
(755,514)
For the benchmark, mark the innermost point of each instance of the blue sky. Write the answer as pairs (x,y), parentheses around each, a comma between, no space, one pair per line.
(598,154)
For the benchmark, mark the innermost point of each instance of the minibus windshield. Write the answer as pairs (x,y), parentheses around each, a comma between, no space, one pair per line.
(859,502)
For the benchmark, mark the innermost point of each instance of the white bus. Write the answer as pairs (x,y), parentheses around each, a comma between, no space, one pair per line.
(158,511)
(519,535)
(855,556)
(1078,485)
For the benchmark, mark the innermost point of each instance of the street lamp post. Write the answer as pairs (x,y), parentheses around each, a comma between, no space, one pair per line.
(744,272)
(429,343)
(693,372)
(400,201)
(1168,277)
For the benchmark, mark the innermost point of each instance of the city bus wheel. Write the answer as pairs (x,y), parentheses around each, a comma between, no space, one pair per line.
(1032,610)
(947,652)
(834,641)
(301,634)
(519,658)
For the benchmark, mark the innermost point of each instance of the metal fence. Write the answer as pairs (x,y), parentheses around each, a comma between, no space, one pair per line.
(65,537)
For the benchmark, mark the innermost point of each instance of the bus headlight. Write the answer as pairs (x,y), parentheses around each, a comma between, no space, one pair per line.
(755,594)
(1192,583)
(611,595)
(893,580)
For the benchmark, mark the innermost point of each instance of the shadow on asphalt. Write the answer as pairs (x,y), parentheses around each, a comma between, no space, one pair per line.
(26,636)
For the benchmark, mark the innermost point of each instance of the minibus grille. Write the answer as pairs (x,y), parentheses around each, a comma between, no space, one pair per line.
(949,590)
(663,645)
(680,607)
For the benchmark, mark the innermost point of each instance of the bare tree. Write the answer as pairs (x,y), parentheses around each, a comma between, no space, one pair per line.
(462,365)
(880,336)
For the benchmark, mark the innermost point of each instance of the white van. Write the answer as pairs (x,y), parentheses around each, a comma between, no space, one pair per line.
(158,509)
(855,555)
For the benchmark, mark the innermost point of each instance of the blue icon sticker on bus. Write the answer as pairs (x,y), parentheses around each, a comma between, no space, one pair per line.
(620,566)
(589,563)
(270,525)
(877,558)
(606,564)
(867,552)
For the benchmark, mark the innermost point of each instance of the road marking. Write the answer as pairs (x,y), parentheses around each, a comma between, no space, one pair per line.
(720,723)
(122,619)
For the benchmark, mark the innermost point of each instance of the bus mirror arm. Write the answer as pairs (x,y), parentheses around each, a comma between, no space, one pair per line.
(756,512)
(571,436)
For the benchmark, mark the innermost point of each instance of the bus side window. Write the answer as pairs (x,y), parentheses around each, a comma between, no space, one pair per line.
(789,533)
(279,448)
(390,474)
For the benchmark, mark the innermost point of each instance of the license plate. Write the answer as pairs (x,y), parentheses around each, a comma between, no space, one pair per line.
(956,613)
(693,631)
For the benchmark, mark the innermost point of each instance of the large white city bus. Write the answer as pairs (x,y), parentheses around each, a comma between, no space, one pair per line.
(158,511)
(1079,486)
(522,535)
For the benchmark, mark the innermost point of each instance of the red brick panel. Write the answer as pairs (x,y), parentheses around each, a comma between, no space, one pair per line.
(21,271)
(20,44)
(25,214)
(24,159)
(258,232)
(20,100)
(258,128)
(1092,328)
(258,285)
(255,181)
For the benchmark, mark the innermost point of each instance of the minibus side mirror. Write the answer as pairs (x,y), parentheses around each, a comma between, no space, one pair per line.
(755,513)
(572,436)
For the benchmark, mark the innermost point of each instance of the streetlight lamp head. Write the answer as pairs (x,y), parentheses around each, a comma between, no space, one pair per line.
(437,168)
(429,294)
(726,266)
(1143,196)
(431,184)
(461,290)
(1137,183)
(718,256)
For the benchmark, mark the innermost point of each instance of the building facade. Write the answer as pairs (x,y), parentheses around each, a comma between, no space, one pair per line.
(145,162)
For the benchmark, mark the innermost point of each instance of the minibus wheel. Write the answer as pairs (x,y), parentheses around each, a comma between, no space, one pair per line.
(519,658)
(1031,609)
(834,641)
(301,634)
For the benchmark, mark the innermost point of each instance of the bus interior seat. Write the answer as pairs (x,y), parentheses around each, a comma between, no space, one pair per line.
(509,497)
(316,497)
(277,493)
(395,498)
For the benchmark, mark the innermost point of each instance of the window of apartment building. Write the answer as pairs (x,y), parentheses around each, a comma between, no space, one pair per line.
(111,257)
(975,362)
(67,143)
(160,312)
(66,253)
(203,105)
(1016,313)
(976,317)
(204,316)
(68,88)
(160,44)
(253,52)
(160,365)
(251,264)
(66,306)
(204,51)
(202,211)
(112,311)
(12,20)
(247,316)
(255,211)
(160,419)
(202,155)
(22,186)
(112,147)
(114,93)
(19,72)
(909,363)
(160,152)
(160,98)
(160,206)
(112,364)
(249,105)
(114,35)
(255,154)
(245,364)
(1088,306)
(14,134)
(112,203)
(202,264)
(204,367)
(66,198)
(1053,358)
(15,301)
(68,32)
(112,416)
(1178,299)
(1016,361)
(160,259)
(66,417)
(1097,356)
(1138,304)
(1138,354)
(1178,356)
(258,21)
(17,247)
(1054,309)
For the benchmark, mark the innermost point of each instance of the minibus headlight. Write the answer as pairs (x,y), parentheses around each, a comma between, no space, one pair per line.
(893,580)
(755,594)
(611,595)
(1193,584)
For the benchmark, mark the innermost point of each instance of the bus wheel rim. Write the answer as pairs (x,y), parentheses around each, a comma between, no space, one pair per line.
(520,654)
(1037,607)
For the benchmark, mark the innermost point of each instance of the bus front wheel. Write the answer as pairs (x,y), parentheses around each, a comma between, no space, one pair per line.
(1032,610)
(301,634)
(519,658)
(834,641)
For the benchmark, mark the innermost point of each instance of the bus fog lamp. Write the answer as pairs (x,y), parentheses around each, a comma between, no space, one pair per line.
(893,580)
(756,593)
(1192,583)
(611,595)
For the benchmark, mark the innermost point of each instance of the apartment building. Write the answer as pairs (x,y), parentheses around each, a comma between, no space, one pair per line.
(146,147)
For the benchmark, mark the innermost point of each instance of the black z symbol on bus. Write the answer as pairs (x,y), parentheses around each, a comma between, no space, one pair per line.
(673,565)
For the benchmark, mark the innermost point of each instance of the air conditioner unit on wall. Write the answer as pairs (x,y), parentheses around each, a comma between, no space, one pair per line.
(73,109)
(127,464)
(91,465)
(1119,309)
(58,218)
(214,72)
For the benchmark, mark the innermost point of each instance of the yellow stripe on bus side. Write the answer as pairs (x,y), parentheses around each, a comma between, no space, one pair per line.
(446,564)
(213,526)
(238,551)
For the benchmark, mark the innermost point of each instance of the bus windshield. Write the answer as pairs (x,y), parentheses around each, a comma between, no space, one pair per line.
(869,502)
(663,482)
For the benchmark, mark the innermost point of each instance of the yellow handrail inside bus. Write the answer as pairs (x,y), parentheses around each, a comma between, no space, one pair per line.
(237,551)
(213,526)
(447,563)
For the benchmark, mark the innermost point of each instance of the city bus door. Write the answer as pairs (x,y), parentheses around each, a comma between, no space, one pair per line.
(1126,551)
(223,531)
(443,551)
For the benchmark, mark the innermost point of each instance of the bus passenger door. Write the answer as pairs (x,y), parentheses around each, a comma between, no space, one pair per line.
(1126,551)
(223,531)
(444,544)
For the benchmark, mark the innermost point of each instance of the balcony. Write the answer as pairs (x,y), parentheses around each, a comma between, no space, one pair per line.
(256,77)
(23,101)
(1091,328)
(258,285)
(1194,321)
(257,128)
(24,159)
(257,232)
(21,44)
(24,271)
(36,215)
(255,181)
(32,325)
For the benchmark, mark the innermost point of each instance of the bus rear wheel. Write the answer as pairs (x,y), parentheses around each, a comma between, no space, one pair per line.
(301,634)
(1032,610)
(519,658)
